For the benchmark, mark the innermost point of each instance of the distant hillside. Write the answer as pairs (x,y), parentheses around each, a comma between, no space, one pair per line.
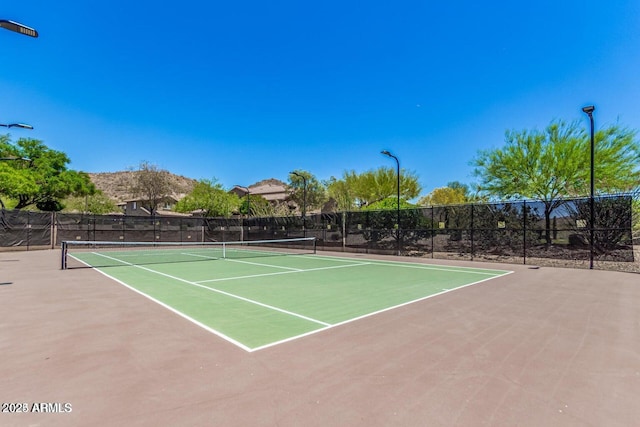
(269,181)
(117,185)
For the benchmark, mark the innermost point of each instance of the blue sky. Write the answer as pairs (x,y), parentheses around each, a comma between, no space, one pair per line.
(247,90)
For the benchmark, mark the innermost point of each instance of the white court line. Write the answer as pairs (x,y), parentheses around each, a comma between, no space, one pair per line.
(420,267)
(263,265)
(181,314)
(244,262)
(324,324)
(271,307)
(200,256)
(168,307)
(375,313)
(468,270)
(223,279)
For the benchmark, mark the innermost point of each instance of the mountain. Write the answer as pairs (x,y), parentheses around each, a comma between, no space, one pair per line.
(117,185)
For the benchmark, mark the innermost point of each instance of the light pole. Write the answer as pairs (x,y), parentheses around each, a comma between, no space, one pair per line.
(589,111)
(386,153)
(18,28)
(27,31)
(304,201)
(248,210)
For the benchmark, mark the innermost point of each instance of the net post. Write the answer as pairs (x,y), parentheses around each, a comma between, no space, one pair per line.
(224,250)
(63,250)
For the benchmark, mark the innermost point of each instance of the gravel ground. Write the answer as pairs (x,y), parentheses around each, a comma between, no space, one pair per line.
(609,265)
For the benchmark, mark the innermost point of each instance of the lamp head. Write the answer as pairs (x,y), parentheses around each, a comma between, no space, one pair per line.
(589,109)
(17,125)
(15,158)
(18,28)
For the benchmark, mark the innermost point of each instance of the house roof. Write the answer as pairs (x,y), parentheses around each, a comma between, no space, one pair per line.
(270,189)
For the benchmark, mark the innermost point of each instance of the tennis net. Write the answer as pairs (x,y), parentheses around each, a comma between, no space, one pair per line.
(80,253)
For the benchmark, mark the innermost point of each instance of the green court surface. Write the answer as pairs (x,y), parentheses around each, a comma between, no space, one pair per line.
(257,302)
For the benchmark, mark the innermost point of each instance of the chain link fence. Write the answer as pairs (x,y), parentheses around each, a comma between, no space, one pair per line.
(557,233)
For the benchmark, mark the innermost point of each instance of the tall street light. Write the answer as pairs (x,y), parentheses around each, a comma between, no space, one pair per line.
(18,28)
(589,111)
(304,201)
(27,31)
(386,153)
(248,210)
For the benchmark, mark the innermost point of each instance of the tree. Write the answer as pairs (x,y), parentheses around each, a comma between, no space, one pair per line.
(549,164)
(38,175)
(454,193)
(339,194)
(315,190)
(211,198)
(390,203)
(255,205)
(98,204)
(357,190)
(152,185)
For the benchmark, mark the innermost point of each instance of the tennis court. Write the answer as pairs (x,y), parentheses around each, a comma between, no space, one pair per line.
(537,347)
(259,294)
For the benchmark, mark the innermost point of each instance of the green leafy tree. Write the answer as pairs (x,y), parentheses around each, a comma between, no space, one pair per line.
(209,197)
(315,190)
(455,193)
(472,193)
(98,204)
(342,192)
(255,205)
(553,163)
(357,190)
(38,175)
(390,203)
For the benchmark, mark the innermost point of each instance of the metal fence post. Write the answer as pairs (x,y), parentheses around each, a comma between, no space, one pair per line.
(344,231)
(472,233)
(433,232)
(524,232)
(53,229)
